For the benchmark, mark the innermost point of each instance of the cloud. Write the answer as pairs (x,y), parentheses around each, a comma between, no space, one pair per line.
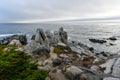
(45,10)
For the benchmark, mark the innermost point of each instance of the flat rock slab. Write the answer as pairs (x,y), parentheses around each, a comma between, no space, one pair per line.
(110,78)
(116,68)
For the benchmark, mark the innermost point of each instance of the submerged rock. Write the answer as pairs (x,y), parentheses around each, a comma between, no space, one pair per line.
(98,41)
(112,38)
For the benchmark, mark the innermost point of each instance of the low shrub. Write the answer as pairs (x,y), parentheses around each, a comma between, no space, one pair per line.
(16,65)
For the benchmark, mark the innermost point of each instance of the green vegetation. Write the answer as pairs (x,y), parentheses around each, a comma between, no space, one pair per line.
(16,65)
(63,50)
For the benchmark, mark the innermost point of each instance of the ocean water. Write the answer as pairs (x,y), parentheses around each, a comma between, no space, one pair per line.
(80,31)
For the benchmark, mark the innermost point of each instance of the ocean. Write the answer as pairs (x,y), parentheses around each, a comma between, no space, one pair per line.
(80,31)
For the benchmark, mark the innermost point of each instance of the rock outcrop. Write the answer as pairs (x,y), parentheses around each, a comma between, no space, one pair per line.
(41,37)
(63,36)
(67,60)
(21,38)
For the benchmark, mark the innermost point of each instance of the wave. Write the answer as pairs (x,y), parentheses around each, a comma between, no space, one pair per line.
(5,35)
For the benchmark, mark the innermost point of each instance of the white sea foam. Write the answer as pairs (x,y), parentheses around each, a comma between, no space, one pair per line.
(5,35)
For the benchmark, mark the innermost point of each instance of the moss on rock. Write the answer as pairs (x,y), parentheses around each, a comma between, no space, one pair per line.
(61,49)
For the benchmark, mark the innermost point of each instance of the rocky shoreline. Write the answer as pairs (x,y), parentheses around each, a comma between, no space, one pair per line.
(67,59)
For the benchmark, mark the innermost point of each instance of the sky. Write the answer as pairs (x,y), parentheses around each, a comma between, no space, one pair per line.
(55,10)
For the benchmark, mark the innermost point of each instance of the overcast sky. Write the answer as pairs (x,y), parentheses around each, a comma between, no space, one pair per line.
(51,10)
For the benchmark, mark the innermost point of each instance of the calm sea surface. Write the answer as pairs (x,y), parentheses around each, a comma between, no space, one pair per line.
(76,31)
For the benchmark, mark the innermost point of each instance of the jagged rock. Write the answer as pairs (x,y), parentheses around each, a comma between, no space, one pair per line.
(72,72)
(116,68)
(50,37)
(56,38)
(41,37)
(80,48)
(63,36)
(98,41)
(15,42)
(23,39)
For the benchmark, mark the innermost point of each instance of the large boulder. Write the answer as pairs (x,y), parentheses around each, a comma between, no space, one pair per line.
(15,42)
(73,72)
(36,48)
